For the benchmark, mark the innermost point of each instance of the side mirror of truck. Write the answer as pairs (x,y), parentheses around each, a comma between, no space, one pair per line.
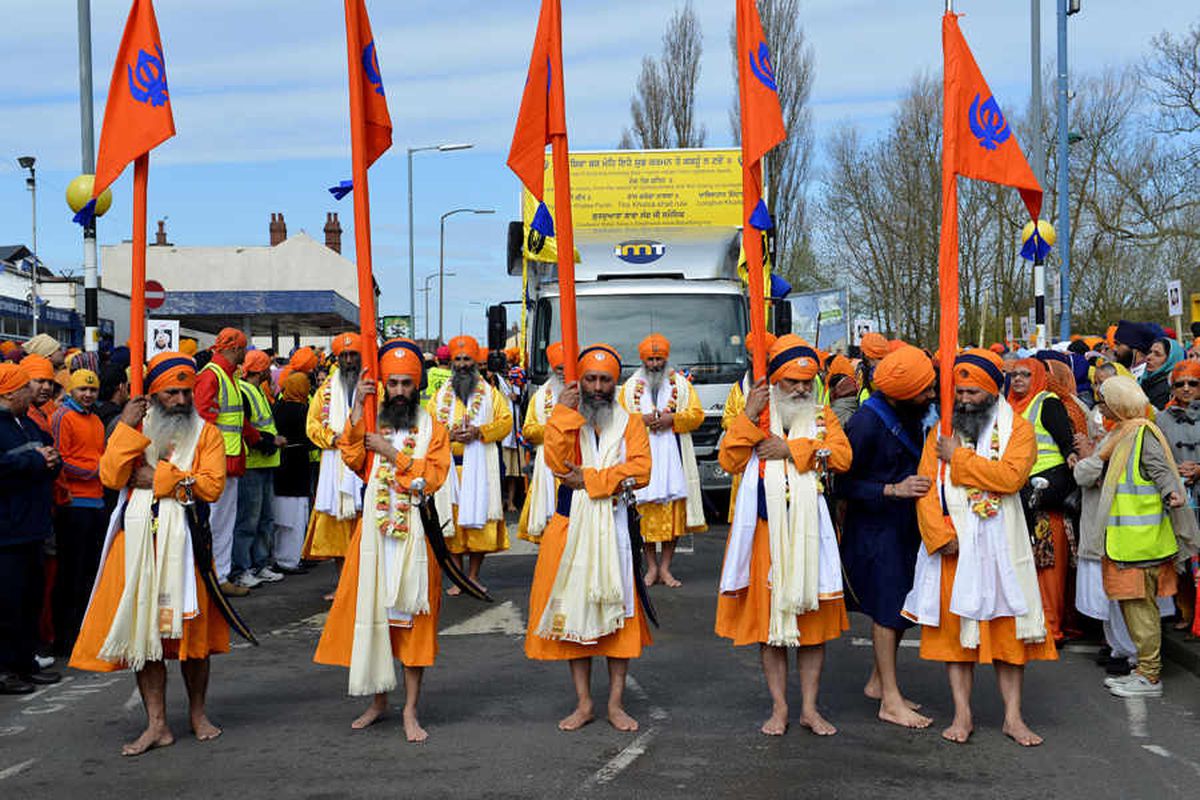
(497,330)
(516,238)
(782,317)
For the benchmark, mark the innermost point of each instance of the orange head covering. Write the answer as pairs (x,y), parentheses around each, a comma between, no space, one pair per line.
(188,345)
(1110,336)
(791,357)
(1039,381)
(466,345)
(170,371)
(402,357)
(303,360)
(12,378)
(256,361)
(229,339)
(896,344)
(296,388)
(998,348)
(348,341)
(654,346)
(980,369)
(38,367)
(81,378)
(600,358)
(512,354)
(1188,368)
(554,354)
(874,345)
(904,373)
(750,338)
(840,365)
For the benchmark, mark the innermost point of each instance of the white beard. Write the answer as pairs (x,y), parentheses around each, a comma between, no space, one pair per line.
(654,380)
(789,407)
(165,431)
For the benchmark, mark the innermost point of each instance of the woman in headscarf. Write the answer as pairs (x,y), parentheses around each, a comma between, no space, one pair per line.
(1156,381)
(292,477)
(1180,424)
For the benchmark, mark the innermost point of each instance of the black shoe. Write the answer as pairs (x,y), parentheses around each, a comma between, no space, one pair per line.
(1118,666)
(1103,656)
(11,684)
(290,570)
(42,678)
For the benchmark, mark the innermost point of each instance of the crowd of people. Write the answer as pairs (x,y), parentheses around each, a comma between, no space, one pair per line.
(1063,498)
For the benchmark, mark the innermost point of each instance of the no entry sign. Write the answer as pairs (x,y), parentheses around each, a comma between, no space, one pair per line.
(156,295)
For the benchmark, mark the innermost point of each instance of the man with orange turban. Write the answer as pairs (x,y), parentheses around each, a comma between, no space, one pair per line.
(671,505)
(479,418)
(148,604)
(880,536)
(781,580)
(408,457)
(583,601)
(219,402)
(975,591)
(303,360)
(291,504)
(735,403)
(339,488)
(841,387)
(874,346)
(540,499)
(45,387)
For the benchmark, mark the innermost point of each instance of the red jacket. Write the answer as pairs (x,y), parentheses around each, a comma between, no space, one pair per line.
(208,404)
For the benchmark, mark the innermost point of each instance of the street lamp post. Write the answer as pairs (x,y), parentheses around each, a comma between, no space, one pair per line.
(27,162)
(426,291)
(87,140)
(412,280)
(1065,9)
(442,260)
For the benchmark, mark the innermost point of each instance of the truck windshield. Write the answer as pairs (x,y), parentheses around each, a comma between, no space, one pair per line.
(706,330)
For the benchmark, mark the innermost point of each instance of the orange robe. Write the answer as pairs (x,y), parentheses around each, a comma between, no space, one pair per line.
(746,617)
(415,645)
(997,638)
(562,445)
(207,632)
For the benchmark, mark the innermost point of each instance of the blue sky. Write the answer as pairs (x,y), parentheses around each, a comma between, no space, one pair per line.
(258,90)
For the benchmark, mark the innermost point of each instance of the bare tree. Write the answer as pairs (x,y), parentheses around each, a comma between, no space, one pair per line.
(662,109)
(1172,74)
(788,166)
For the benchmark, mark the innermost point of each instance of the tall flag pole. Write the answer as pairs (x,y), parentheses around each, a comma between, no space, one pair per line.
(370,137)
(762,129)
(137,118)
(978,143)
(541,121)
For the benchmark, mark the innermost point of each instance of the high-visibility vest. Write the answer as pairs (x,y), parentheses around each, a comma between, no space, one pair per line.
(1048,454)
(434,380)
(263,422)
(229,410)
(1138,526)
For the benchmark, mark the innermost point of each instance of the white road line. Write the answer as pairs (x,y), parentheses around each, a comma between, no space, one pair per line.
(1158,751)
(16,769)
(1135,708)
(45,690)
(860,641)
(12,730)
(135,700)
(504,618)
(630,753)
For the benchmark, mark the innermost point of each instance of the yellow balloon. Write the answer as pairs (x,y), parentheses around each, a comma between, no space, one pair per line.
(79,192)
(1045,231)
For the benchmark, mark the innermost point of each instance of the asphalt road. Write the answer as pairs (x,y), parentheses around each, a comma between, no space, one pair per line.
(491,717)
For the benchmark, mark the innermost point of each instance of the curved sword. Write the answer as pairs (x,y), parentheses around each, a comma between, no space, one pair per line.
(625,495)
(437,542)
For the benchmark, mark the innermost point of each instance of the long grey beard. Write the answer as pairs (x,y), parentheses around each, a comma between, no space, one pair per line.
(464,382)
(556,384)
(789,408)
(970,420)
(166,430)
(654,380)
(597,409)
(349,380)
(399,413)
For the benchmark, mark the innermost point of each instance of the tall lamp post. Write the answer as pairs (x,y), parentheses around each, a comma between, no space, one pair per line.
(1065,9)
(426,291)
(442,260)
(27,162)
(412,280)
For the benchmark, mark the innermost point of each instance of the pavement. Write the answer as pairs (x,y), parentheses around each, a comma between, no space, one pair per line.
(491,717)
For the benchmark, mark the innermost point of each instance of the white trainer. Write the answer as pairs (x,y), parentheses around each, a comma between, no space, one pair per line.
(247,580)
(1139,686)
(268,575)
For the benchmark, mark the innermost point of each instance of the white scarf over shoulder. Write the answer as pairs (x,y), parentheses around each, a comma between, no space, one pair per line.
(541,483)
(674,474)
(339,490)
(996,576)
(393,579)
(593,591)
(477,491)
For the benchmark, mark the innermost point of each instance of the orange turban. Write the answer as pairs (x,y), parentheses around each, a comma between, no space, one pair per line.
(256,361)
(513,354)
(466,345)
(1188,368)
(1110,336)
(12,378)
(229,339)
(188,345)
(83,377)
(750,338)
(170,371)
(401,357)
(303,360)
(979,368)
(790,357)
(654,346)
(874,345)
(600,358)
(38,368)
(896,344)
(554,354)
(295,388)
(904,373)
(840,365)
(348,341)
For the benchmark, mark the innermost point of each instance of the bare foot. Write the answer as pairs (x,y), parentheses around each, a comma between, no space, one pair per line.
(151,738)
(651,577)
(960,731)
(453,591)
(777,724)
(1020,733)
(817,724)
(374,713)
(903,716)
(670,580)
(873,691)
(412,729)
(581,716)
(205,731)
(621,720)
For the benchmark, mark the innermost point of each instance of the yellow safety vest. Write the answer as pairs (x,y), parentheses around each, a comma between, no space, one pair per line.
(434,380)
(1048,454)
(229,410)
(1138,527)
(264,423)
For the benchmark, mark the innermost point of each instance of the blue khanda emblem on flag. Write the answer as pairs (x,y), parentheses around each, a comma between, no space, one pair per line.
(761,67)
(148,78)
(371,65)
(988,123)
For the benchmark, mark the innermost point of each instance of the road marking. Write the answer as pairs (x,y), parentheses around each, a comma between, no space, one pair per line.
(16,769)
(630,753)
(860,641)
(135,700)
(504,618)
(12,730)
(1135,708)
(1158,751)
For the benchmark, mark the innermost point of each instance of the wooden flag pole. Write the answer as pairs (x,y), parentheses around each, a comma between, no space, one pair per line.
(565,237)
(137,294)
